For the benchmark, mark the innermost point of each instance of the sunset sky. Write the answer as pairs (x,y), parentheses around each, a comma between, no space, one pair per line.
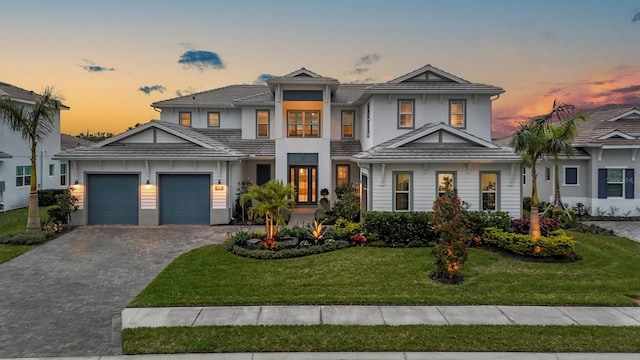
(112,59)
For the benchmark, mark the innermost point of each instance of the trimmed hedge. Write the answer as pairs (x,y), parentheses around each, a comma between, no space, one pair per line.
(25,238)
(480,220)
(285,253)
(557,244)
(547,226)
(47,197)
(399,229)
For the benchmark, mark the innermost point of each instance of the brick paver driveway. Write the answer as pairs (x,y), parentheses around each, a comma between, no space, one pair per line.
(64,298)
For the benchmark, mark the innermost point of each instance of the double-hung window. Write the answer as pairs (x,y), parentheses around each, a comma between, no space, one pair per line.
(368,119)
(615,182)
(63,174)
(571,175)
(348,118)
(23,176)
(443,185)
(405,113)
(457,113)
(402,184)
(303,123)
(213,119)
(185,118)
(342,175)
(262,123)
(489,191)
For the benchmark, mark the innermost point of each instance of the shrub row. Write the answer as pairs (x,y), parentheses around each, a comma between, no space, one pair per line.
(590,229)
(47,197)
(286,253)
(25,238)
(556,244)
(547,226)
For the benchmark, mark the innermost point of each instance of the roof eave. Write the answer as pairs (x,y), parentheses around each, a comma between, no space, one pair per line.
(438,161)
(434,92)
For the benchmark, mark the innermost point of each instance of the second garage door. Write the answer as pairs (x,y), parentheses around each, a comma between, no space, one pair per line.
(185,198)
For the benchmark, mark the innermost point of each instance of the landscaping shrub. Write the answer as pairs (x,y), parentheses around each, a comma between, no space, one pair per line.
(348,201)
(25,238)
(479,220)
(343,230)
(399,229)
(47,197)
(325,217)
(285,253)
(589,229)
(300,232)
(521,226)
(557,243)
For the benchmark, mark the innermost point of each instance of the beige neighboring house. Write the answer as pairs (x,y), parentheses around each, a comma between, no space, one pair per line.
(602,174)
(397,140)
(15,162)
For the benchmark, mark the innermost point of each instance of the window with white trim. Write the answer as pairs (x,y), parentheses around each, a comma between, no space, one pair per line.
(615,183)
(185,118)
(262,123)
(213,119)
(52,169)
(457,114)
(402,183)
(342,175)
(442,184)
(348,118)
(489,191)
(303,123)
(570,175)
(23,176)
(368,119)
(405,113)
(63,174)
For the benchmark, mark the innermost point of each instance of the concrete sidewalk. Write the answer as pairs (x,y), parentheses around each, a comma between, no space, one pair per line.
(380,315)
(369,356)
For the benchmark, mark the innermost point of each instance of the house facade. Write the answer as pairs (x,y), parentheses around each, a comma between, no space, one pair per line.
(15,156)
(398,140)
(602,174)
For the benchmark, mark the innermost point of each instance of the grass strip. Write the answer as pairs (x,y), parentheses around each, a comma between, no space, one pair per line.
(8,252)
(331,338)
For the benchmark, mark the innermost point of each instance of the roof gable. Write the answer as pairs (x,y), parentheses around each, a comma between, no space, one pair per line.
(303,72)
(428,73)
(616,134)
(146,134)
(633,114)
(440,134)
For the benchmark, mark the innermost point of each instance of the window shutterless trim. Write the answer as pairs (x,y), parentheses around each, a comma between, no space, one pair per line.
(353,120)
(464,113)
(268,124)
(496,191)
(338,166)
(208,119)
(454,174)
(564,175)
(180,118)
(409,191)
(413,113)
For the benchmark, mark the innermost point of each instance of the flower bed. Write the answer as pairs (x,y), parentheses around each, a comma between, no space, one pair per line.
(557,244)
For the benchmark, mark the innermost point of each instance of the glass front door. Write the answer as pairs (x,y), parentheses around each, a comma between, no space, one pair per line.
(303,178)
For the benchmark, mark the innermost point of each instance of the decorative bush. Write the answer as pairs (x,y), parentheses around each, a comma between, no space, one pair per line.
(521,226)
(479,220)
(347,205)
(47,197)
(385,226)
(556,244)
(590,229)
(300,232)
(325,217)
(26,238)
(343,230)
(449,220)
(285,253)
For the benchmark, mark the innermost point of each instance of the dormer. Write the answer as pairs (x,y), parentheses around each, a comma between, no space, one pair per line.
(633,114)
(303,77)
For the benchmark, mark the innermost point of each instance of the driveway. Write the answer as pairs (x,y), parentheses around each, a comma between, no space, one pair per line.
(628,229)
(64,298)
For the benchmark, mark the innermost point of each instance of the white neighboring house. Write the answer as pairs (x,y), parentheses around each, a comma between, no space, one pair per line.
(602,174)
(398,140)
(15,161)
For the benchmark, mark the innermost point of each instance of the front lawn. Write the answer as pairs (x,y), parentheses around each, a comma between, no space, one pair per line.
(8,252)
(608,275)
(16,220)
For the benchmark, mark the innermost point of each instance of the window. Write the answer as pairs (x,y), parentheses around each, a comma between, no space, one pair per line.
(365,192)
(368,119)
(342,175)
(262,123)
(303,123)
(23,176)
(52,169)
(489,191)
(457,116)
(185,118)
(615,182)
(348,117)
(442,184)
(570,175)
(213,119)
(405,113)
(547,174)
(402,191)
(63,174)
(524,175)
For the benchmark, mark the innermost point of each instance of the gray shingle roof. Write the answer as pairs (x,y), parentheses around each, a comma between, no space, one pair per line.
(348,93)
(68,142)
(221,97)
(345,147)
(12,92)
(232,138)
(578,152)
(597,125)
(130,151)
(435,87)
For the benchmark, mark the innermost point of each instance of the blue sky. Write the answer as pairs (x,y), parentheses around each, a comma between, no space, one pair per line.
(112,59)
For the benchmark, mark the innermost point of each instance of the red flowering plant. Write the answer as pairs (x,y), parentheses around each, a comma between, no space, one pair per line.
(269,243)
(449,220)
(359,240)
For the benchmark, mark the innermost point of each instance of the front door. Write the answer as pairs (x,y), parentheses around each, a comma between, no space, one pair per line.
(304,179)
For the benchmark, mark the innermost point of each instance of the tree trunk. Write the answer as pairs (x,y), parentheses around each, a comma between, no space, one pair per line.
(534,226)
(557,201)
(33,217)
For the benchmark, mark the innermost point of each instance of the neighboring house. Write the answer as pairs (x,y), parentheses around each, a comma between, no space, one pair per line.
(398,140)
(15,161)
(602,174)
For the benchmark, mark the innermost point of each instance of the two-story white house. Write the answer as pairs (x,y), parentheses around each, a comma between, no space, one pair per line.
(399,140)
(15,156)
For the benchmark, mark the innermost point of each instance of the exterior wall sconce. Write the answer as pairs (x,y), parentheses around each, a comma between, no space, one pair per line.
(147,184)
(76,182)
(218,186)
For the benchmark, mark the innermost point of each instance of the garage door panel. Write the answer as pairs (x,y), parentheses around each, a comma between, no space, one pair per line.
(112,199)
(185,198)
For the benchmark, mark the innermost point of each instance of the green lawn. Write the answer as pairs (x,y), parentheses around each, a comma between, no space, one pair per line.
(380,338)
(608,275)
(8,252)
(16,220)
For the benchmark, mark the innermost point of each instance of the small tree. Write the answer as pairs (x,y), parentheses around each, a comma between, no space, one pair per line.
(67,204)
(348,201)
(272,197)
(449,221)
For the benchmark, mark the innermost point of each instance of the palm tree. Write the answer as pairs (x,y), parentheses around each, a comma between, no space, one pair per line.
(34,122)
(532,141)
(272,197)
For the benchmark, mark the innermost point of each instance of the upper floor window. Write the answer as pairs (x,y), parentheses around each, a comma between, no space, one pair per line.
(348,118)
(262,123)
(402,191)
(368,119)
(457,114)
(303,123)
(442,183)
(63,174)
(52,169)
(185,118)
(23,176)
(213,119)
(571,175)
(489,191)
(405,113)
(342,175)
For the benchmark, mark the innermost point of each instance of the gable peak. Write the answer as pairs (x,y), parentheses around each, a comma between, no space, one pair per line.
(428,73)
